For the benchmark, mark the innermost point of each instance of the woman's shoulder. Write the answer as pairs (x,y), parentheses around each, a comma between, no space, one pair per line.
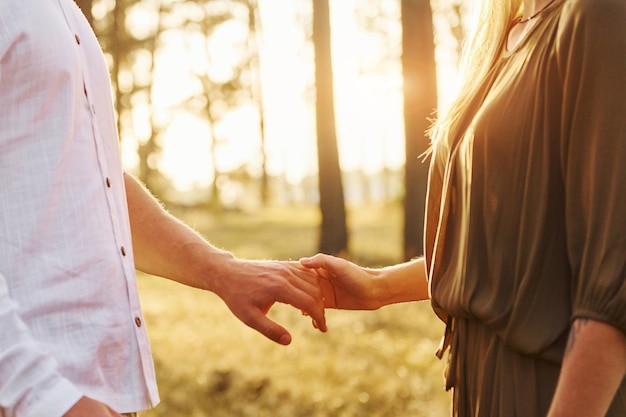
(597,23)
(595,10)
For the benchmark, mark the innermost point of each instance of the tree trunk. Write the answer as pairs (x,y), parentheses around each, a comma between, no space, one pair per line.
(254,33)
(420,100)
(333,233)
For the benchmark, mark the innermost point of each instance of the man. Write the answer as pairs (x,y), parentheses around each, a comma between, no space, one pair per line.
(73,341)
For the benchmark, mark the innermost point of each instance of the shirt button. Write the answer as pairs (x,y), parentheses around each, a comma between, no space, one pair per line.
(77,38)
(138,321)
(108,182)
(123,250)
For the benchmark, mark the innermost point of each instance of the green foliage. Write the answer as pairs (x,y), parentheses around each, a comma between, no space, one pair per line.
(370,364)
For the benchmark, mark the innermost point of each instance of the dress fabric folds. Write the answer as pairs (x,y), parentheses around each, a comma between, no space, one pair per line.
(525,225)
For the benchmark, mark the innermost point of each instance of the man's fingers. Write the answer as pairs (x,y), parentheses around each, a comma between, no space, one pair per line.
(305,279)
(304,292)
(284,282)
(328,294)
(309,305)
(270,329)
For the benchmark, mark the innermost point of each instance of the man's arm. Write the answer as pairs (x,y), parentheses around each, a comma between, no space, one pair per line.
(166,247)
(593,369)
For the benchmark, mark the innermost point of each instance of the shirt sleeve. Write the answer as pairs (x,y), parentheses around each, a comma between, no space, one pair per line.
(592,65)
(30,385)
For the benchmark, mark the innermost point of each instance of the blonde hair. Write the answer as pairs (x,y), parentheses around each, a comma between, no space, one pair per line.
(479,55)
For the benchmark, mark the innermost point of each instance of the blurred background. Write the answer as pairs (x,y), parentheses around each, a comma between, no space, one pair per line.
(280,128)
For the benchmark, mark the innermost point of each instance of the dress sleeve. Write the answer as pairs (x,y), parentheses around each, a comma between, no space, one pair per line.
(592,64)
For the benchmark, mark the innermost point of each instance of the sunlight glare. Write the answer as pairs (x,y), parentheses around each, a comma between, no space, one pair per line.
(186,162)
(368,96)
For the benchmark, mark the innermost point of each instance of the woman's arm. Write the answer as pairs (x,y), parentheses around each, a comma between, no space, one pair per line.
(351,287)
(593,369)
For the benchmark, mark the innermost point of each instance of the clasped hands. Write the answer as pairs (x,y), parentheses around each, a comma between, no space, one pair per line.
(310,285)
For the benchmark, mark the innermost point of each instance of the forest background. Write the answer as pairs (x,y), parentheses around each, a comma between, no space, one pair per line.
(279,128)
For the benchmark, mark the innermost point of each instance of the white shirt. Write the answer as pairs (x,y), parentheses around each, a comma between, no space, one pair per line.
(70,319)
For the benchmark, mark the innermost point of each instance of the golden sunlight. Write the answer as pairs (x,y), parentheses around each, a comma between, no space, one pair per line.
(368,98)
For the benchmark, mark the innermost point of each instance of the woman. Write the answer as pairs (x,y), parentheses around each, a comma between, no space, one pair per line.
(525,230)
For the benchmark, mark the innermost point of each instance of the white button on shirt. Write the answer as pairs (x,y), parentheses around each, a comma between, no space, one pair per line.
(69,310)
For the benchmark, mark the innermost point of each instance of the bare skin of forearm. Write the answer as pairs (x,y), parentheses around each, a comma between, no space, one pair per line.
(348,286)
(402,283)
(593,369)
(165,246)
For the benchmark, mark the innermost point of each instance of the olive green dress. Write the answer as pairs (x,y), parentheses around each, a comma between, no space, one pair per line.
(526,212)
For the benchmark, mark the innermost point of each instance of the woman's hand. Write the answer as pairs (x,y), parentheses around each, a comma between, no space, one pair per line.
(348,286)
(344,284)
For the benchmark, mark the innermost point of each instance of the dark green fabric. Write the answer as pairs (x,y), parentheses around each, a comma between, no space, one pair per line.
(526,211)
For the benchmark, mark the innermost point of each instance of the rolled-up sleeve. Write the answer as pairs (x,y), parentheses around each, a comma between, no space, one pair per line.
(593,150)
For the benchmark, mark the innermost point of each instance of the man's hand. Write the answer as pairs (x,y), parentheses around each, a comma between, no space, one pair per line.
(166,247)
(252,287)
(86,407)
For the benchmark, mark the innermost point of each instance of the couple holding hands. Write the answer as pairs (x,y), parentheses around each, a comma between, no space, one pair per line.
(525,254)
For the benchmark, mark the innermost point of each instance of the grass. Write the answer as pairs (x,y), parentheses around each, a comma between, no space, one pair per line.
(371,364)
